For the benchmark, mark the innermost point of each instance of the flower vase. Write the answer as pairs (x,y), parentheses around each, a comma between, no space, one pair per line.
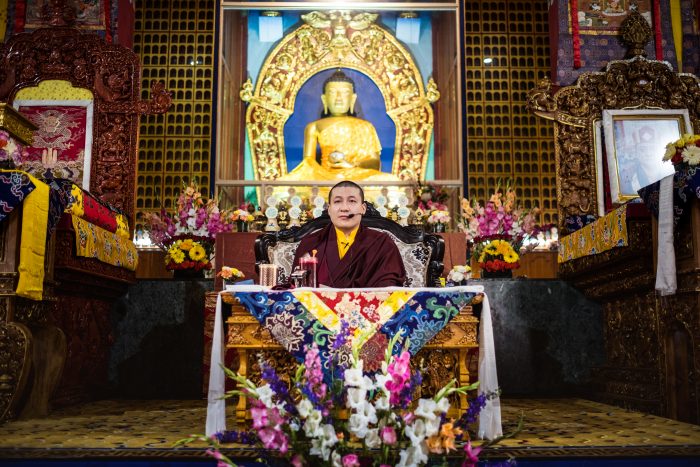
(681,167)
(505,274)
(188,274)
(438,228)
(241,226)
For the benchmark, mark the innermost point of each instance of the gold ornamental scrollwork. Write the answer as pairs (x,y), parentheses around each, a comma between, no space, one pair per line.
(340,39)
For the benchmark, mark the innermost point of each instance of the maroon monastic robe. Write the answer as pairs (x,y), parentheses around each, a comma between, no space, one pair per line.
(372,260)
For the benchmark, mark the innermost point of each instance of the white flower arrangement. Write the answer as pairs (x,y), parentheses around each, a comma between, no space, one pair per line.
(459,274)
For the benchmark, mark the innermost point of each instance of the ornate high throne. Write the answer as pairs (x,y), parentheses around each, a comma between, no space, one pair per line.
(652,342)
(63,340)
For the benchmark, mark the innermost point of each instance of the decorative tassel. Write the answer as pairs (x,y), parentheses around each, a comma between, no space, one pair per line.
(108,21)
(575,34)
(658,38)
(20,16)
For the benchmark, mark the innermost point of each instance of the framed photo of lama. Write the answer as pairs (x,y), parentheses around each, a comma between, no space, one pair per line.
(62,145)
(635,142)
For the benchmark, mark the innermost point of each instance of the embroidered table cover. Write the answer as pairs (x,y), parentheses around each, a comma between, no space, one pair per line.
(300,317)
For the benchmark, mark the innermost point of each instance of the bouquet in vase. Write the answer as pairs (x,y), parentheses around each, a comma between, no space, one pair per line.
(194,226)
(500,219)
(348,417)
(229,274)
(459,274)
(439,219)
(498,256)
(685,150)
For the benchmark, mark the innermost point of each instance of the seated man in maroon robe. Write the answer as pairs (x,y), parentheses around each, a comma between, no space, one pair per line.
(350,255)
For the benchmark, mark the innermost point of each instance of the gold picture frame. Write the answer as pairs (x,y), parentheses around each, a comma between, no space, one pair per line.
(635,142)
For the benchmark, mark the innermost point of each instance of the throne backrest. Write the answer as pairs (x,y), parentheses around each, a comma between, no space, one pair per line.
(422,253)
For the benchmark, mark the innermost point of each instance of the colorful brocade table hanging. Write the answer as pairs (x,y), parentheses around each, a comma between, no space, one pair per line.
(298,318)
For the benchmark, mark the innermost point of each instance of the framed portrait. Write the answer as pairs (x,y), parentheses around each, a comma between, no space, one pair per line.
(635,142)
(62,145)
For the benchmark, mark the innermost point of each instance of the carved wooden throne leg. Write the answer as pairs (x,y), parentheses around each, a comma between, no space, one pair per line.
(15,364)
(49,357)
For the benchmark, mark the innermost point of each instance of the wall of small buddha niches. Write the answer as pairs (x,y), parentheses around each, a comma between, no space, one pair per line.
(175,40)
(504,141)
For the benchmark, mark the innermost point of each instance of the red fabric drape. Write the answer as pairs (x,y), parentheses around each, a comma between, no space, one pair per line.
(108,21)
(575,33)
(20,16)
(554,39)
(658,38)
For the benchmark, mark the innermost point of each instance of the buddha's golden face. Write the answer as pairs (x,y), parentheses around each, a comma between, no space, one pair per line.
(339,98)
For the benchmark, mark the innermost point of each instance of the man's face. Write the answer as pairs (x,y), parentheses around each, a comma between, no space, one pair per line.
(344,201)
(338,97)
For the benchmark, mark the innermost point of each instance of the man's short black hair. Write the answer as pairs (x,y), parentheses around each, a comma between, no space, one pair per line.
(347,183)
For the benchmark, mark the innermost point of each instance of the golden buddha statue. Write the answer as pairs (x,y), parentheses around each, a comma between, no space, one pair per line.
(350,147)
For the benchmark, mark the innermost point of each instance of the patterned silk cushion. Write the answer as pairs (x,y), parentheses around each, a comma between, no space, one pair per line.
(415,259)
(282,255)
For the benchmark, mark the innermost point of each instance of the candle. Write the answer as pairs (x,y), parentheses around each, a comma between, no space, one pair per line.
(309,263)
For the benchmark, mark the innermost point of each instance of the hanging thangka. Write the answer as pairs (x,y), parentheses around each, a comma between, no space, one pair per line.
(604,17)
(62,144)
(94,15)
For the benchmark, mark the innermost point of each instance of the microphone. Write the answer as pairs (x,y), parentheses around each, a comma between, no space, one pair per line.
(350,216)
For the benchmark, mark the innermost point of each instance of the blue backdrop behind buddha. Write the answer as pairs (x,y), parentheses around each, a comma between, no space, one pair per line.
(308,108)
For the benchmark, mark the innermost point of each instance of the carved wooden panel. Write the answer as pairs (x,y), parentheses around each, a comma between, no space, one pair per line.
(111,73)
(636,83)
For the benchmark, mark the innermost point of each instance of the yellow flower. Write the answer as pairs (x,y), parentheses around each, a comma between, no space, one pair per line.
(186,245)
(176,254)
(511,257)
(503,248)
(491,248)
(197,252)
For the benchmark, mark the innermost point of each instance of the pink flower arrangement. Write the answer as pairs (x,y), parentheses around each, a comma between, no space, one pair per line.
(439,216)
(11,153)
(430,198)
(301,422)
(194,218)
(500,218)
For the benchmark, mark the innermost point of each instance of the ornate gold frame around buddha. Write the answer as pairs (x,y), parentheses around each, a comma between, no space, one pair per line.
(339,39)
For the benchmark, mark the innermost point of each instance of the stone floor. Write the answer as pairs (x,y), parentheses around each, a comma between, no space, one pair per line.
(552,428)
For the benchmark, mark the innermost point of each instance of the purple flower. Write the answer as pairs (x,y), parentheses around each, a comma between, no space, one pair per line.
(279,387)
